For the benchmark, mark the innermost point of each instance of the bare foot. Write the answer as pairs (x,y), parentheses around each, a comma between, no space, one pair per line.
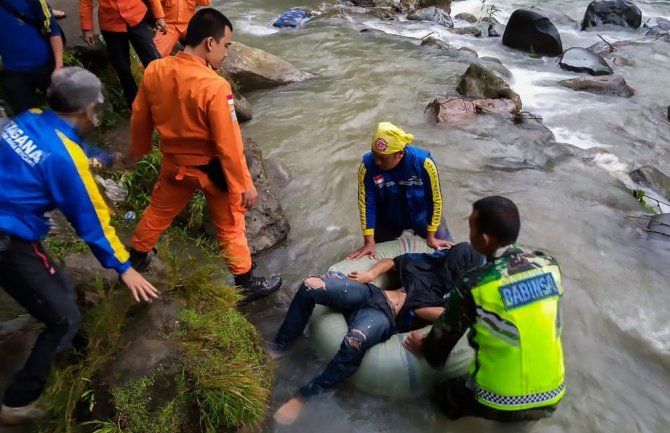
(58,14)
(289,412)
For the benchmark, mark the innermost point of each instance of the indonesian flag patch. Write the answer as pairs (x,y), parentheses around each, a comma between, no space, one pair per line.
(378,180)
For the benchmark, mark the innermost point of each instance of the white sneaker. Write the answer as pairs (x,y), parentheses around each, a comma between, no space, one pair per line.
(19,415)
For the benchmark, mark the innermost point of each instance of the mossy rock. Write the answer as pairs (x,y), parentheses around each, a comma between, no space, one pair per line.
(480,83)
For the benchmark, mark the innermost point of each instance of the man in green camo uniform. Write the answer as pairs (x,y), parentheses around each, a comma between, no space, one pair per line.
(511,306)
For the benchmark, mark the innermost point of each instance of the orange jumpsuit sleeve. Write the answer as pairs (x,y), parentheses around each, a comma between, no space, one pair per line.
(203,2)
(157,9)
(141,121)
(228,139)
(86,14)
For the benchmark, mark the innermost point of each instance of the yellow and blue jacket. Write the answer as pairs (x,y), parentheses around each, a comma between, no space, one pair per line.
(407,196)
(43,167)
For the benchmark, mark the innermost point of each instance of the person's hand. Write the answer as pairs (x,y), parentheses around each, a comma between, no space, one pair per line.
(139,287)
(413,342)
(437,244)
(161,25)
(249,197)
(88,37)
(368,249)
(362,277)
(57,67)
(289,411)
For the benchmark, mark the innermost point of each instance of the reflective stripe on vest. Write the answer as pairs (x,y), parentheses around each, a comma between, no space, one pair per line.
(519,358)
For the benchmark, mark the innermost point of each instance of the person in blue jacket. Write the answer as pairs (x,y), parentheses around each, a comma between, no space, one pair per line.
(31,48)
(43,167)
(398,190)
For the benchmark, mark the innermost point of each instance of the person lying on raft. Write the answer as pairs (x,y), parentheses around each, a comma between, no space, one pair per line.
(399,189)
(373,314)
(511,305)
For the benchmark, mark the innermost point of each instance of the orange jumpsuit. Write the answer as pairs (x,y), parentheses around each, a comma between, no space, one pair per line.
(177,15)
(192,108)
(116,15)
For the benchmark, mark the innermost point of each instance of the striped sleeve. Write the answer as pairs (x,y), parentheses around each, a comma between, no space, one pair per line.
(432,185)
(366,201)
(77,196)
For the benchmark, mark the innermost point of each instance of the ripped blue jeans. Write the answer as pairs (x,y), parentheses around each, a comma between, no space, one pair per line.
(368,325)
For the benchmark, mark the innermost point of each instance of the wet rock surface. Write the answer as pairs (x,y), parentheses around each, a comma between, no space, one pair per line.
(582,60)
(433,14)
(454,110)
(480,83)
(530,31)
(463,16)
(254,69)
(614,85)
(652,178)
(622,13)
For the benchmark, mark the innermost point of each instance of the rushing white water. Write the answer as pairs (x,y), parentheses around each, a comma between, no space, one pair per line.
(617,336)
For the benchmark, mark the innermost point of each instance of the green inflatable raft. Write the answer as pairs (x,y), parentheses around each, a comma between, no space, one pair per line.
(388,368)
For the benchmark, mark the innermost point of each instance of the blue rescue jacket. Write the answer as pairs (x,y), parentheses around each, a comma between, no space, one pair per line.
(407,197)
(43,167)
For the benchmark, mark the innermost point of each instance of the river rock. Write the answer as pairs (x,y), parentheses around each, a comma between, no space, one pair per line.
(555,16)
(253,69)
(533,32)
(659,224)
(614,85)
(463,16)
(657,26)
(277,173)
(432,42)
(456,110)
(442,4)
(473,30)
(494,64)
(243,109)
(407,6)
(383,13)
(615,12)
(582,60)
(385,3)
(433,14)
(653,178)
(266,223)
(480,83)
(363,3)
(468,52)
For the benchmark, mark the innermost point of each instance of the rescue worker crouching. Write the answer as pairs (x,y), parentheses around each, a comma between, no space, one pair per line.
(192,108)
(399,189)
(511,305)
(43,167)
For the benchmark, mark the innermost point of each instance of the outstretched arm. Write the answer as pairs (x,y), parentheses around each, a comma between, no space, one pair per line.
(378,269)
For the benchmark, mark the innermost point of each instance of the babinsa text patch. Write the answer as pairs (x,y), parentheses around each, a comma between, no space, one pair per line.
(528,291)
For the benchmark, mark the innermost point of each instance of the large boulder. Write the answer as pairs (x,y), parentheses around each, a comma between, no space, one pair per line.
(533,32)
(614,85)
(266,224)
(253,69)
(653,178)
(615,12)
(582,60)
(454,110)
(433,14)
(480,83)
(442,4)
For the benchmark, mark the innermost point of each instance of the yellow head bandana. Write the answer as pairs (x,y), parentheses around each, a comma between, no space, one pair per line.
(390,139)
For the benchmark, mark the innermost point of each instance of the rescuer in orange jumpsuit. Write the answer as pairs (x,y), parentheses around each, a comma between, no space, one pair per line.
(177,15)
(192,108)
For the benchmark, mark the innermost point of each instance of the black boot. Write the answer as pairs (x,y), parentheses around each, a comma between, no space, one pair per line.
(256,287)
(140,261)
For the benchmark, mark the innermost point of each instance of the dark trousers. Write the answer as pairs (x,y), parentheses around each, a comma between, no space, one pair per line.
(118,46)
(387,233)
(367,326)
(28,275)
(21,87)
(455,399)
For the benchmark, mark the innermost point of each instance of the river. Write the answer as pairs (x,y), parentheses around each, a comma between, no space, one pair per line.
(616,336)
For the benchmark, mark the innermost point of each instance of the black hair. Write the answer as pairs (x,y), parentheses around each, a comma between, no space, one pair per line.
(499,218)
(206,23)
